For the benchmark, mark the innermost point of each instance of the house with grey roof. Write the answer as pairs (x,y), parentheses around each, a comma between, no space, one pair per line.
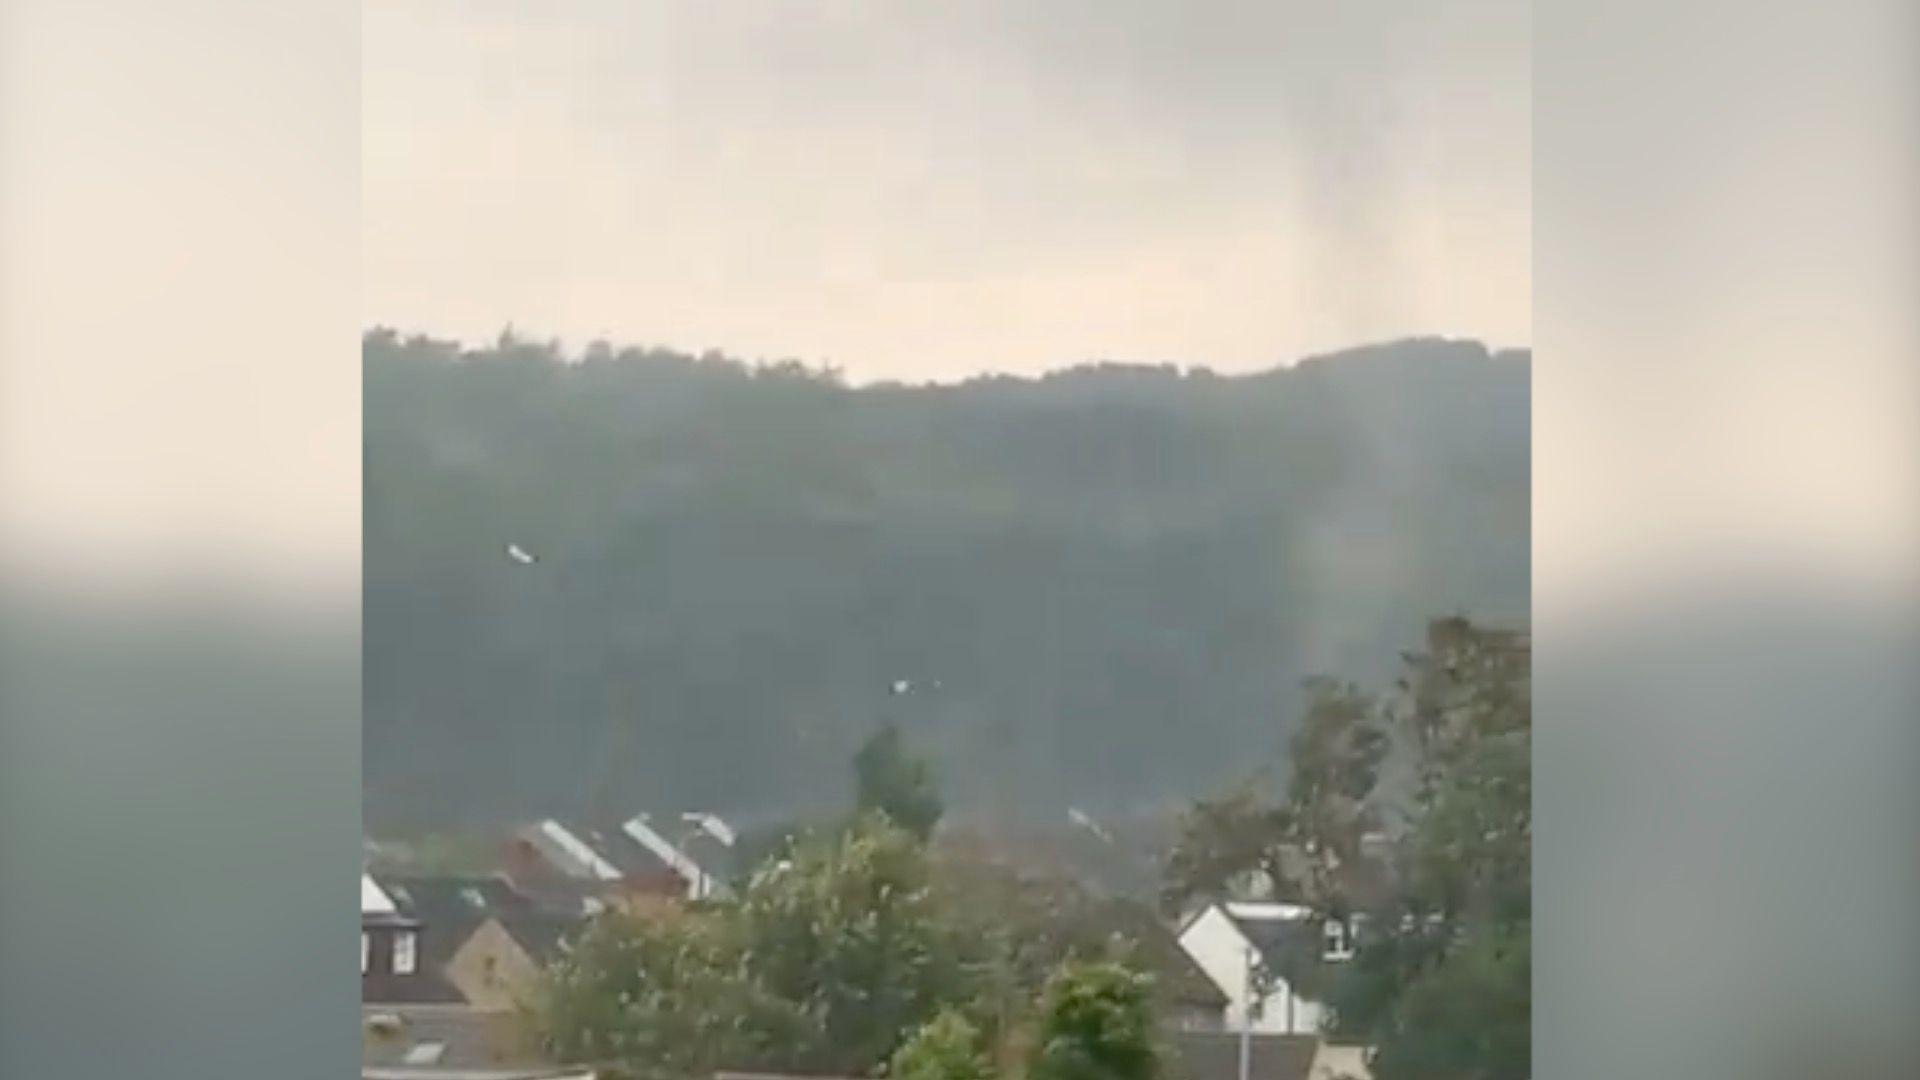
(479,936)
(390,952)
(1245,946)
(683,857)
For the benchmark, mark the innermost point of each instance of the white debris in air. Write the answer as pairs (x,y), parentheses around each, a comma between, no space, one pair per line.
(519,555)
(1081,818)
(712,826)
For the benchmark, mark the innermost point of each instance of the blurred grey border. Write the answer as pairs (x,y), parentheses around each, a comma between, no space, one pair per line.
(1727,441)
(179,538)
(1727,501)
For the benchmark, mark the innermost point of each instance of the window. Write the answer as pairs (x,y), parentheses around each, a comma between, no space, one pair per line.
(1337,940)
(403,953)
(366,951)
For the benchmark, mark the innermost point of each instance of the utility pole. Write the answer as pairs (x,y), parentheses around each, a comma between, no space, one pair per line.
(1246,1024)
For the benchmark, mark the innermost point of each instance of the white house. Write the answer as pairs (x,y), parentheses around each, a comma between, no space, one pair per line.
(1231,941)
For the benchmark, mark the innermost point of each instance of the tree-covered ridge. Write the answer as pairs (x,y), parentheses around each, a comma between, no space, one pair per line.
(1100,585)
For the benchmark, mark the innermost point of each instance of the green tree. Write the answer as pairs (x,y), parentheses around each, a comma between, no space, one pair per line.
(945,1048)
(851,926)
(1096,1023)
(1293,844)
(1225,844)
(1440,984)
(819,964)
(1020,923)
(670,995)
(893,782)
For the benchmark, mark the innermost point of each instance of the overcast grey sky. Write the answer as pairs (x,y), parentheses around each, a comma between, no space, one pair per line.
(929,190)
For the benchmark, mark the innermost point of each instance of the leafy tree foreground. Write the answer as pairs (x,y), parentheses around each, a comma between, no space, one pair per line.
(1438,771)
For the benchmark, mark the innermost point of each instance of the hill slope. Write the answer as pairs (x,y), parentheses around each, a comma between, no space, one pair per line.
(1104,585)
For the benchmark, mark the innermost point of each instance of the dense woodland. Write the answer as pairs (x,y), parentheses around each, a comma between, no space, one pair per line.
(1101,588)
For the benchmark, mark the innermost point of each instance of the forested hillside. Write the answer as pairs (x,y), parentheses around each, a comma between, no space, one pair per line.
(1100,588)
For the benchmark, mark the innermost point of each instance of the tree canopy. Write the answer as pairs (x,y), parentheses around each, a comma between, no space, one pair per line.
(1096,1023)
(945,1048)
(1441,983)
(820,965)
(890,781)
(851,948)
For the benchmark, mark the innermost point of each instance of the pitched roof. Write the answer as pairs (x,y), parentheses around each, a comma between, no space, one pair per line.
(571,850)
(664,838)
(544,937)
(450,909)
(1178,975)
(1272,928)
(634,860)
(1211,1055)
(373,899)
(568,899)
(640,848)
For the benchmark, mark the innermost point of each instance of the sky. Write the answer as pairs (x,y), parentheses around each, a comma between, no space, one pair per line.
(922,191)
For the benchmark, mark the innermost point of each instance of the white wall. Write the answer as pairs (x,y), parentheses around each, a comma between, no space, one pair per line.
(1222,951)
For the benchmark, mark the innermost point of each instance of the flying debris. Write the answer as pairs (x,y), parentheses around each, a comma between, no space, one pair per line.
(901,686)
(711,825)
(519,555)
(1080,817)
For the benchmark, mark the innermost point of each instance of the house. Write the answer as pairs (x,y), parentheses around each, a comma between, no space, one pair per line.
(628,862)
(569,899)
(549,850)
(1243,945)
(479,936)
(500,964)
(452,1042)
(390,952)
